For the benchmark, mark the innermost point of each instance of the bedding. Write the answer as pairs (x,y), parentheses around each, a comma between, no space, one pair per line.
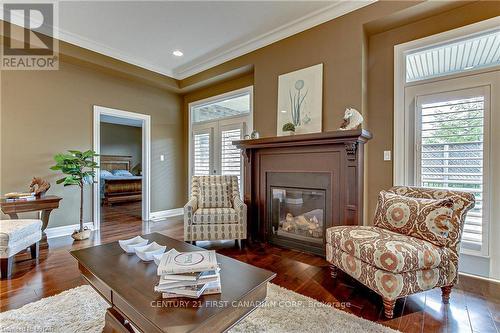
(105,173)
(120,187)
(122,173)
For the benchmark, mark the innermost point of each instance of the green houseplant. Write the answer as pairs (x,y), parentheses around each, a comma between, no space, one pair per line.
(289,128)
(79,170)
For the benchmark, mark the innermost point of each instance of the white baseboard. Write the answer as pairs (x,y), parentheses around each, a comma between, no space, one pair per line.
(163,214)
(65,230)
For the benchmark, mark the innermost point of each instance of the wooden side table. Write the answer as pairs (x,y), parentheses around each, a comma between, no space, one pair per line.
(45,204)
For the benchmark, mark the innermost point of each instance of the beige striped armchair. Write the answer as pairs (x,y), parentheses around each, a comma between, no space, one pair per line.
(215,210)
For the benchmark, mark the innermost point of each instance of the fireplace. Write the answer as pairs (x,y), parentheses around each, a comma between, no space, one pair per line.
(298,186)
(297,209)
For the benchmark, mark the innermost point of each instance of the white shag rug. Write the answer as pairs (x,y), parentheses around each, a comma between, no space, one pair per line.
(81,309)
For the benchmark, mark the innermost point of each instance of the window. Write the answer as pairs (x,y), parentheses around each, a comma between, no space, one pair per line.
(229,106)
(447,128)
(473,52)
(230,155)
(215,124)
(202,154)
(450,150)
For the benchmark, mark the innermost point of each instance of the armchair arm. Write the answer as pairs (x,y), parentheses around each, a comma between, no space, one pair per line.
(241,208)
(189,208)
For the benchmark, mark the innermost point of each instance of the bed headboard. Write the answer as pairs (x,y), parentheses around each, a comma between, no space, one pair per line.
(115,162)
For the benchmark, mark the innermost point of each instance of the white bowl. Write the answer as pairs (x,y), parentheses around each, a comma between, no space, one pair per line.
(157,257)
(128,245)
(147,252)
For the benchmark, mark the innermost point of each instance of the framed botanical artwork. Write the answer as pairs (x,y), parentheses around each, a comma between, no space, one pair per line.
(300,101)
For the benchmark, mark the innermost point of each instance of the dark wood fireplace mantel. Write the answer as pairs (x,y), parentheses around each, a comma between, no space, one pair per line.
(337,154)
(305,139)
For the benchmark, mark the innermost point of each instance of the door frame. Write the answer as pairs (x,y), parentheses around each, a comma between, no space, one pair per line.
(98,111)
(210,100)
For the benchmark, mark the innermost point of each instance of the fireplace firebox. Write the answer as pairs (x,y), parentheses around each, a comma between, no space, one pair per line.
(297,186)
(298,206)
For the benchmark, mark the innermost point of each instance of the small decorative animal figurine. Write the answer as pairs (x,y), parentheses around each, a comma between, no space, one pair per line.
(39,186)
(352,119)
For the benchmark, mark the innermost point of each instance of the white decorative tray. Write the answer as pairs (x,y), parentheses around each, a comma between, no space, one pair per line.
(147,252)
(129,245)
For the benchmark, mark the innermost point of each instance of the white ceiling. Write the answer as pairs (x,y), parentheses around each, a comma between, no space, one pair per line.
(145,33)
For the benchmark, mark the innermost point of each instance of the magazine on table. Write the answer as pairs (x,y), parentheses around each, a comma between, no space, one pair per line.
(189,276)
(166,285)
(175,262)
(207,289)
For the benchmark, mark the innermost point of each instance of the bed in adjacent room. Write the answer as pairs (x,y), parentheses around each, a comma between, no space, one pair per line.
(117,182)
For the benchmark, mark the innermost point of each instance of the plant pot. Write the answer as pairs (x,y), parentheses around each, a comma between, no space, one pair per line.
(289,132)
(81,235)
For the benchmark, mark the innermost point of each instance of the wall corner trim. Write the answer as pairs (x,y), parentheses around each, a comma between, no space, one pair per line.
(65,230)
(162,214)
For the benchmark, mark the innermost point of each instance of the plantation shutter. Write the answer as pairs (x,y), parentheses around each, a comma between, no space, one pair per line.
(450,152)
(201,154)
(230,155)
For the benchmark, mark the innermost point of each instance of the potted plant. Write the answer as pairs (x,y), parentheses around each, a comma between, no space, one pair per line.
(79,168)
(289,129)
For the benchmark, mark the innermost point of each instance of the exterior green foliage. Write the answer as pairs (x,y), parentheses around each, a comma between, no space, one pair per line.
(465,126)
(79,170)
(288,127)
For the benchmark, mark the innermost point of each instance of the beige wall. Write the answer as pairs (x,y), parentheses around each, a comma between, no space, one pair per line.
(46,112)
(122,140)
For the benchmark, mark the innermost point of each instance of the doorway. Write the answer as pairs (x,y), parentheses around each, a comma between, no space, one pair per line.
(122,189)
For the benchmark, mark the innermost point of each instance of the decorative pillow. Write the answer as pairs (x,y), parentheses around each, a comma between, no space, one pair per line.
(214,195)
(106,173)
(427,219)
(121,173)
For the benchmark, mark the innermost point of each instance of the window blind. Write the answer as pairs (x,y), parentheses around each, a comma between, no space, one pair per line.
(230,155)
(201,154)
(451,154)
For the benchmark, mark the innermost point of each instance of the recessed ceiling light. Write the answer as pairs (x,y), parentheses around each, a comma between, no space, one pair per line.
(178,53)
(283,111)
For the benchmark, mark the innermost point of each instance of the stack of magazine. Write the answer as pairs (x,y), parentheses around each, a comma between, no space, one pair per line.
(188,274)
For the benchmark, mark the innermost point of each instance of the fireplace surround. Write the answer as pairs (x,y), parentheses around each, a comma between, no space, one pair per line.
(297,186)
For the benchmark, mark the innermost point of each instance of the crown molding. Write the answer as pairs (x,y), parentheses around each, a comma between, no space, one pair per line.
(306,22)
(224,54)
(85,43)
(71,38)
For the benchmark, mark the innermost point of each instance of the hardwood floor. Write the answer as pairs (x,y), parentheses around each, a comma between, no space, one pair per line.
(474,304)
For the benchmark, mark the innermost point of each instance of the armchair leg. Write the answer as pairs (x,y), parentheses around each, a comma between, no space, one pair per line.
(6,267)
(238,242)
(389,307)
(334,271)
(35,249)
(445,294)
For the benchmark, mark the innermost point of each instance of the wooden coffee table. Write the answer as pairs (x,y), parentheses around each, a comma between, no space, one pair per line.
(127,284)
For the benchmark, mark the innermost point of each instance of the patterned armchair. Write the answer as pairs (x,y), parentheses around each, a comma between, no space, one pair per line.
(215,210)
(413,246)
